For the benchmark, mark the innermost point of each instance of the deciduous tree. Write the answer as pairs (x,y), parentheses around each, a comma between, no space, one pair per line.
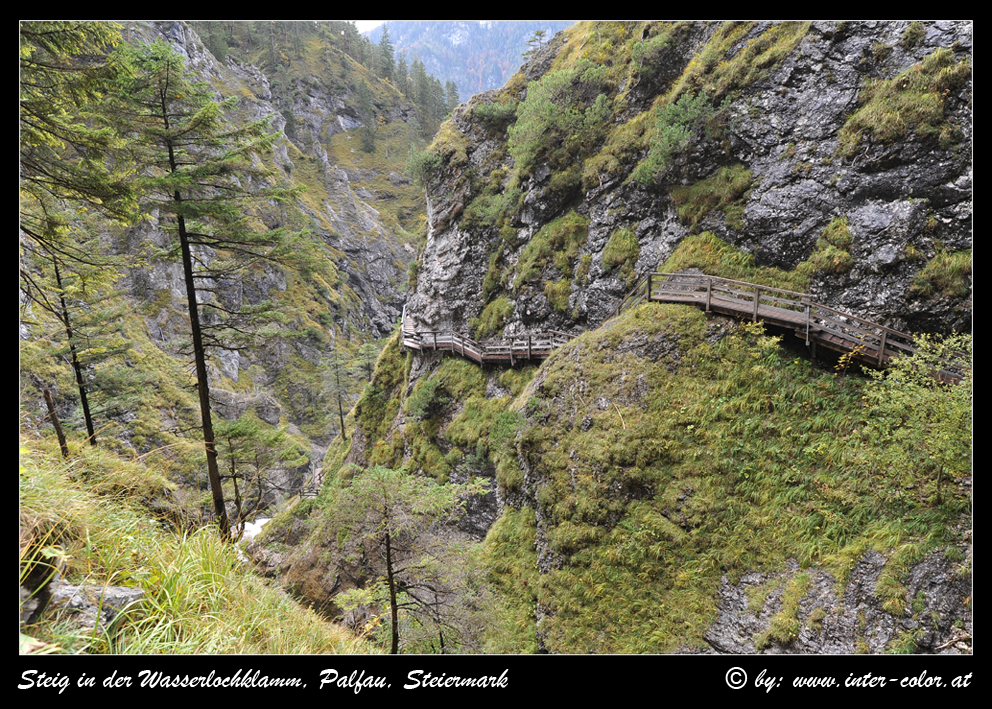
(406,519)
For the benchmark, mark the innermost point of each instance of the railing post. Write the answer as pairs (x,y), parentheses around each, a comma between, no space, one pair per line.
(435,340)
(757,297)
(881,348)
(709,293)
(649,287)
(528,347)
(807,324)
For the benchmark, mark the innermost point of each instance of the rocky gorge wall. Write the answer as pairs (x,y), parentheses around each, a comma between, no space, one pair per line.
(832,130)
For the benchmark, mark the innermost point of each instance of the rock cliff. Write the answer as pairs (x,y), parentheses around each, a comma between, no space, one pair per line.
(805,125)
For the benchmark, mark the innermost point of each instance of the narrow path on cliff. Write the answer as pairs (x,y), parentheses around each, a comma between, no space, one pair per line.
(818,325)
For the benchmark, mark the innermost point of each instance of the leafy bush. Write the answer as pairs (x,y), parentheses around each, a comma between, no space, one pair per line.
(913,35)
(646,54)
(920,428)
(489,207)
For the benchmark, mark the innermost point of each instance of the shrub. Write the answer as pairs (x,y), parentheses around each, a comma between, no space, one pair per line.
(677,126)
(832,251)
(492,318)
(557,293)
(558,241)
(488,208)
(420,163)
(495,116)
(913,35)
(428,398)
(563,115)
(723,191)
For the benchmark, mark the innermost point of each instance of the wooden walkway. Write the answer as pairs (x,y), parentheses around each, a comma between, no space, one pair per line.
(817,325)
(532,347)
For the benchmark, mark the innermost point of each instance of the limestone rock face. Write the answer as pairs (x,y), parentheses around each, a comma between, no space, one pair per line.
(906,199)
(365,290)
(904,202)
(830,622)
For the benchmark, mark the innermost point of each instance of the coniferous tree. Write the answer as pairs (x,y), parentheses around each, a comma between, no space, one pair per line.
(385,55)
(338,383)
(401,74)
(67,143)
(200,179)
(79,297)
(65,135)
(535,43)
(366,114)
(423,96)
(403,518)
(451,95)
(352,39)
(253,452)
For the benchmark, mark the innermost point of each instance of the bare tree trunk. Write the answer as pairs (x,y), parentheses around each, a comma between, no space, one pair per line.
(83,401)
(393,606)
(54,417)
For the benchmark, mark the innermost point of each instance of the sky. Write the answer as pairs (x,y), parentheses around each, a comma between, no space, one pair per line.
(366,25)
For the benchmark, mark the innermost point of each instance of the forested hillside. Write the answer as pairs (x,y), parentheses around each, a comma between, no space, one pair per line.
(237,227)
(222,222)
(475,55)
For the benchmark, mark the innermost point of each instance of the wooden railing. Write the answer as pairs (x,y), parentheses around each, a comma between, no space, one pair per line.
(817,324)
(531,347)
(814,322)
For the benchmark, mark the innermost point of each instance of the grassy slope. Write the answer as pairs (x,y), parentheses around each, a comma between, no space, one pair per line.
(653,456)
(659,477)
(89,514)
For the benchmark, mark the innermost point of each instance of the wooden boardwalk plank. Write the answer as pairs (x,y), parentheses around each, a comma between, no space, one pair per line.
(815,323)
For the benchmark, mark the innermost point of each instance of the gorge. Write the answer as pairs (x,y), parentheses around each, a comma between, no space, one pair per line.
(664,481)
